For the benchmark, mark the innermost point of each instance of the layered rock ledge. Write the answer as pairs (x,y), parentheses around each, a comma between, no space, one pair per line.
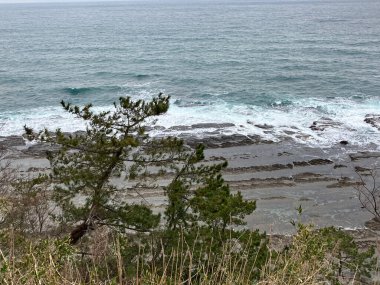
(279,176)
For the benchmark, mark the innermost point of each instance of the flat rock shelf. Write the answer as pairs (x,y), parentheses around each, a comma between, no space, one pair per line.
(279,176)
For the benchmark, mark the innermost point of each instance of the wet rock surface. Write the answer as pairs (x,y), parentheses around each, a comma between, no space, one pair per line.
(40,149)
(323,124)
(224,141)
(264,126)
(217,126)
(11,141)
(364,155)
(373,120)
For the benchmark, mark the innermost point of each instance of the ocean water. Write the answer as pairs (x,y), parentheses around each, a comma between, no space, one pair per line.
(276,62)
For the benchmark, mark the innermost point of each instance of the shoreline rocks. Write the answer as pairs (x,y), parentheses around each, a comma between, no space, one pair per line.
(373,120)
(321,180)
(324,123)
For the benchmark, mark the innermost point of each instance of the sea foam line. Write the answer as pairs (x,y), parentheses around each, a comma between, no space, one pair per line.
(292,120)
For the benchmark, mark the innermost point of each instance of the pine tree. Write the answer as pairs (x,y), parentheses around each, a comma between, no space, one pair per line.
(86,162)
(199,195)
(116,145)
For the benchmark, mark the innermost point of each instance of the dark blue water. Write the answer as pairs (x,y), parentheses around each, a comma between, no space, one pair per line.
(284,63)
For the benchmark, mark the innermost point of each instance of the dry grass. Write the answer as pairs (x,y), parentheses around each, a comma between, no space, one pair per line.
(54,261)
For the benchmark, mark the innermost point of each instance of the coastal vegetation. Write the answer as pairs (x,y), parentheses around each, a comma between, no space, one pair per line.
(86,221)
(369,191)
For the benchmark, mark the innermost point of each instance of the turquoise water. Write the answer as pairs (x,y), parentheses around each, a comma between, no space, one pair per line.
(283,63)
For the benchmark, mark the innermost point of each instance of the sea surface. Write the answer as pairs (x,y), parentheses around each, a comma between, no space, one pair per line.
(275,62)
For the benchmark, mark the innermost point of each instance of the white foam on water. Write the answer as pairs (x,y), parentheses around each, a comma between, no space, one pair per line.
(12,123)
(288,121)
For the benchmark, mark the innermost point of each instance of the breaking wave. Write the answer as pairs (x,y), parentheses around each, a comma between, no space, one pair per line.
(276,122)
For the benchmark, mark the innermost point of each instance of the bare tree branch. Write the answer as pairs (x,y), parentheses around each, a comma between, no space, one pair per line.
(369,192)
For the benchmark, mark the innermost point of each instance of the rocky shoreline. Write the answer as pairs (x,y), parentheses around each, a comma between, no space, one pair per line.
(280,176)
